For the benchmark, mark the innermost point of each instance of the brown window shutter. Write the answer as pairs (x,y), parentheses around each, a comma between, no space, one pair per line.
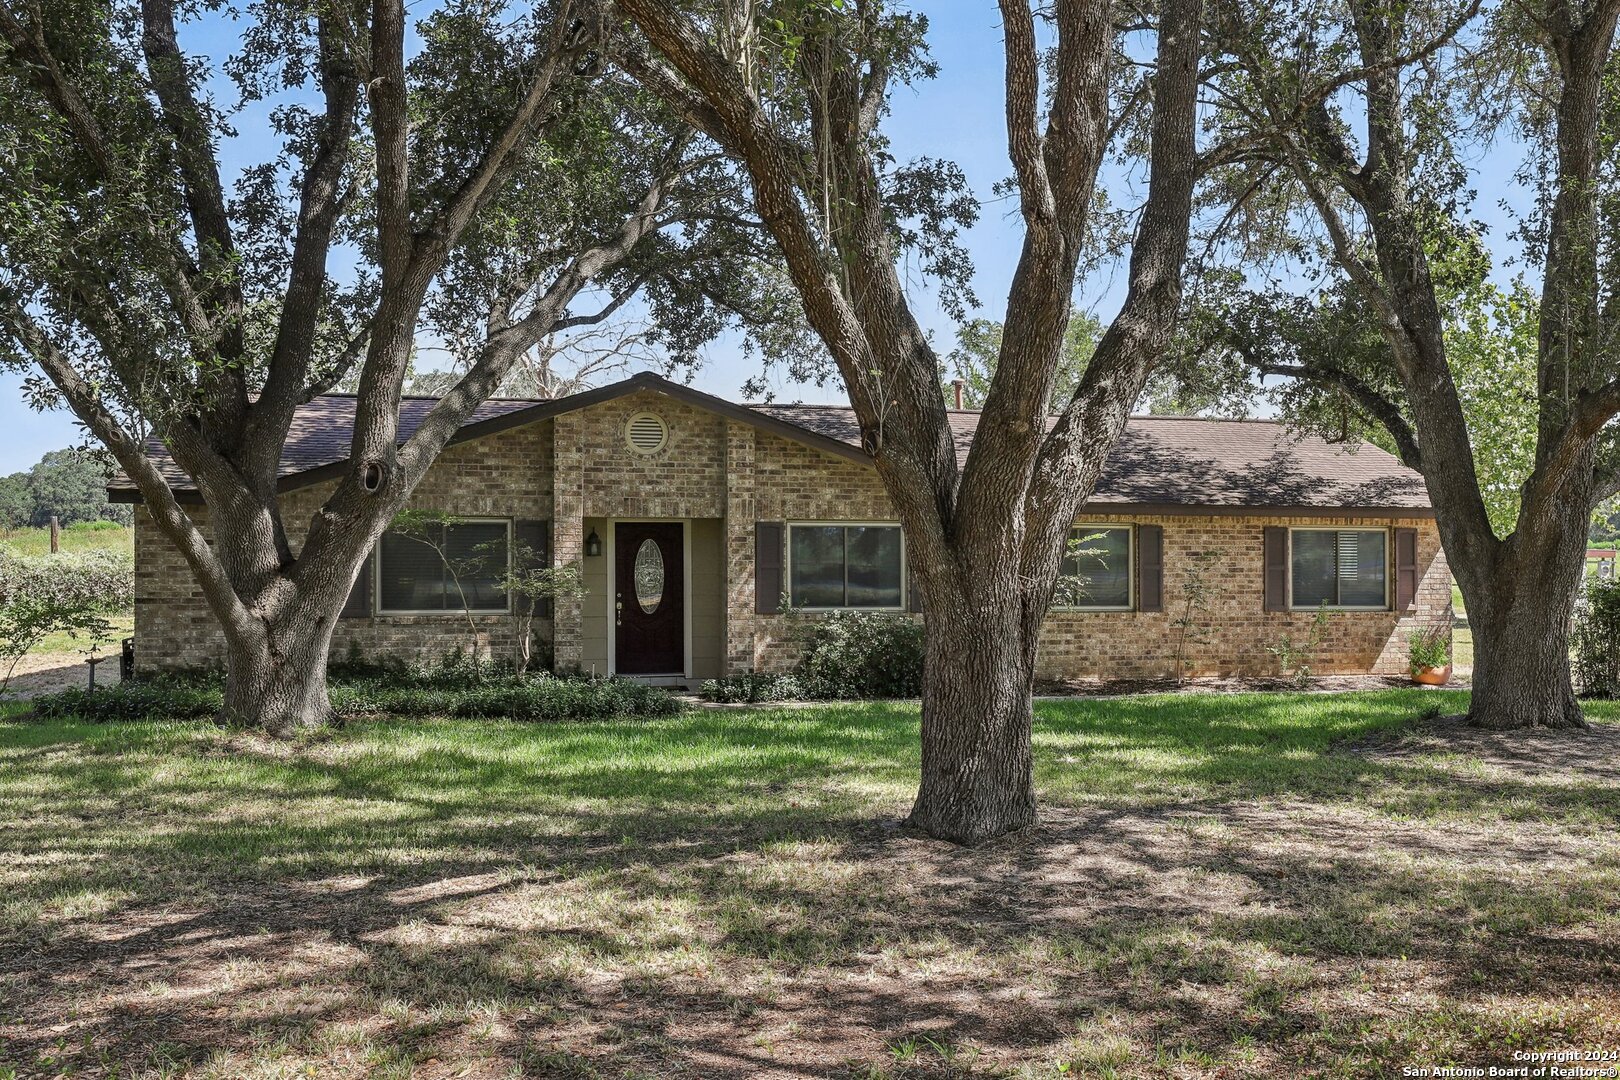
(1276,568)
(768,537)
(1150,568)
(913,594)
(536,536)
(358,605)
(1406,571)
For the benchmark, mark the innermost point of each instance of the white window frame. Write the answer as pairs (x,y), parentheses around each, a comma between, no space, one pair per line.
(787,562)
(1130,565)
(454,613)
(1389,570)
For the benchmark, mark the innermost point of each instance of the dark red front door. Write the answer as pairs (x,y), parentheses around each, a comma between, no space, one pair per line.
(649,602)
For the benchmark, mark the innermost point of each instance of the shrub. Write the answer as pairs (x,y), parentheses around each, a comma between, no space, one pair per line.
(863,654)
(98,525)
(1429,647)
(1596,640)
(165,697)
(73,593)
(846,655)
(199,696)
(509,698)
(750,688)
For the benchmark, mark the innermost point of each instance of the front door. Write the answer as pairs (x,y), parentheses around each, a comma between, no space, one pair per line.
(649,601)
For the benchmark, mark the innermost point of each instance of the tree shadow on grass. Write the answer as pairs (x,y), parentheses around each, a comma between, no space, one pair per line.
(573,902)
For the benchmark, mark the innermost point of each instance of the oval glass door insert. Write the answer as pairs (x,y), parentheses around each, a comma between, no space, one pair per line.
(649,576)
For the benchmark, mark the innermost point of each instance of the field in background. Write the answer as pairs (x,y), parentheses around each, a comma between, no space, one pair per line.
(74,538)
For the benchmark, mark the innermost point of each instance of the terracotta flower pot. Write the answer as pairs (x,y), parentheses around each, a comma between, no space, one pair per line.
(1432,676)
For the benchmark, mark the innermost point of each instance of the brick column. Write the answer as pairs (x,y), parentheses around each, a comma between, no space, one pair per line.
(741,511)
(568,520)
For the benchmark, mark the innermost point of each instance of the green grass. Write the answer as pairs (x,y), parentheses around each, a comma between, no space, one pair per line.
(1218,883)
(38,541)
(62,642)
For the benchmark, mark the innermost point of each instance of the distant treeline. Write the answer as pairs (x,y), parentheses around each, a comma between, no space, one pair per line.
(67,484)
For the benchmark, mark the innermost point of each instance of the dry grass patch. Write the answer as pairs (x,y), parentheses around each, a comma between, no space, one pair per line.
(1250,886)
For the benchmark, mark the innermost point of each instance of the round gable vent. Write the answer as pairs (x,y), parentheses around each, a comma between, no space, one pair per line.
(646,433)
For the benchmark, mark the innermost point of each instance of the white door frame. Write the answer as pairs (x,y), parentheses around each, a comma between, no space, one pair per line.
(613,590)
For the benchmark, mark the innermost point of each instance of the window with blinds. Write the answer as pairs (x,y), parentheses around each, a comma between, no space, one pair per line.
(452,568)
(1096,570)
(1342,568)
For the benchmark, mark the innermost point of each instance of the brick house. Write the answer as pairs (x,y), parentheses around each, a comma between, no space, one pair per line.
(694,517)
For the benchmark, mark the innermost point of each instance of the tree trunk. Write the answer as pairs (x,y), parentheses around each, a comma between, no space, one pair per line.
(1521,637)
(1521,671)
(1520,605)
(978,675)
(277,680)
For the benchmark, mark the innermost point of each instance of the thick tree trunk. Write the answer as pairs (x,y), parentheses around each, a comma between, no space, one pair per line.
(1520,604)
(276,681)
(1519,613)
(977,773)
(1521,671)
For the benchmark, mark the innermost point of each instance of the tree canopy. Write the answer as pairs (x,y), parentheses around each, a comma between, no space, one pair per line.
(69,485)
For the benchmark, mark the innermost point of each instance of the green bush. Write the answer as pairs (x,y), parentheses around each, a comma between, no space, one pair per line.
(166,697)
(537,698)
(847,655)
(509,698)
(864,654)
(751,688)
(1429,648)
(98,525)
(1596,640)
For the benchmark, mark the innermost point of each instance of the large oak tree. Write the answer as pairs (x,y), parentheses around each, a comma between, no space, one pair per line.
(1364,108)
(796,92)
(487,185)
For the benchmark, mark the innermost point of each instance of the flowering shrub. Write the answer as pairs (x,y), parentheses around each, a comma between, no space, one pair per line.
(73,593)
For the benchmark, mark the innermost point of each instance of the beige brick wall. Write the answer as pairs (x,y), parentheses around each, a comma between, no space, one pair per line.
(774,479)
(1142,644)
(777,479)
(504,475)
(723,476)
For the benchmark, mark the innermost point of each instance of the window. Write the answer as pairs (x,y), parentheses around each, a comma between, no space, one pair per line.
(1096,570)
(1345,568)
(845,566)
(421,573)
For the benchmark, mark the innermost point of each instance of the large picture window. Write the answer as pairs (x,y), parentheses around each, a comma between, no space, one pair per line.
(1344,568)
(433,571)
(845,566)
(1096,570)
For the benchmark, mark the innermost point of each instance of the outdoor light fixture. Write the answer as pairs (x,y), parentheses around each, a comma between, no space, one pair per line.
(593,544)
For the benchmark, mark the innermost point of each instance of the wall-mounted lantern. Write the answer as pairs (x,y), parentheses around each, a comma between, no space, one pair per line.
(593,544)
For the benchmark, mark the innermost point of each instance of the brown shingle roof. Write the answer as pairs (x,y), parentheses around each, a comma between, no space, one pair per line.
(1194,461)
(1160,460)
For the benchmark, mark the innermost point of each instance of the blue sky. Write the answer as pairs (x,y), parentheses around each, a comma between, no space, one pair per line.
(957,116)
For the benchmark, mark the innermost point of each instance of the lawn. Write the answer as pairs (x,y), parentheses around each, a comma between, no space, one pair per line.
(38,541)
(1260,885)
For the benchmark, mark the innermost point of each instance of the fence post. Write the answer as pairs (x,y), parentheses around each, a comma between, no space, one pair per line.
(56,534)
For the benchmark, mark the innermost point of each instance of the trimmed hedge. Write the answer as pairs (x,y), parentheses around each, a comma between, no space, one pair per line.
(536,698)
